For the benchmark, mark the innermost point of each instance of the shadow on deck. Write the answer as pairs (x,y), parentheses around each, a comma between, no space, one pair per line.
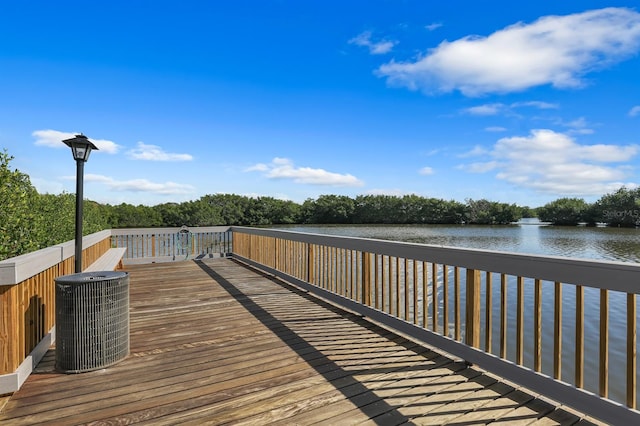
(217,342)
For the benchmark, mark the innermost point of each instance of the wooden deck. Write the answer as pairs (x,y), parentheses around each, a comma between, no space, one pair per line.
(215,342)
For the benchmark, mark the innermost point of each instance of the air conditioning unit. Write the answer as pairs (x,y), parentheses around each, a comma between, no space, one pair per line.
(92,320)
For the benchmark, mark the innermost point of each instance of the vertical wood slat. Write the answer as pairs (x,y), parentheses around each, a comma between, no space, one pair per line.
(579,343)
(323,267)
(520,321)
(336,271)
(503,316)
(456,301)
(415,292)
(631,351)
(358,277)
(406,289)
(311,273)
(472,311)
(604,344)
(425,303)
(488,324)
(376,280)
(397,295)
(390,285)
(344,272)
(557,331)
(9,352)
(537,326)
(339,284)
(445,300)
(385,281)
(434,296)
(366,278)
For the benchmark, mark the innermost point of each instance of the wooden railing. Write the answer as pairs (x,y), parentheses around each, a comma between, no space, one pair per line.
(27,301)
(170,244)
(523,317)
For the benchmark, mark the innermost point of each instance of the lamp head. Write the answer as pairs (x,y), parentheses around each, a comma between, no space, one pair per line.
(80,146)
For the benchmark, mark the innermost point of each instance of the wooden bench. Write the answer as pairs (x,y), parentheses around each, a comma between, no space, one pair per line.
(110,261)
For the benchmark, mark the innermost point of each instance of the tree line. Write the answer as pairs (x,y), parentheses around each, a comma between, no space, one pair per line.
(30,221)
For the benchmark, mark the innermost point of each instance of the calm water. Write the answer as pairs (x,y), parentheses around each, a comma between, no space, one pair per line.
(529,236)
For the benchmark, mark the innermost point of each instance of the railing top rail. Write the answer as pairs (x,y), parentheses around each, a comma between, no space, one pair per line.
(168,230)
(19,268)
(611,275)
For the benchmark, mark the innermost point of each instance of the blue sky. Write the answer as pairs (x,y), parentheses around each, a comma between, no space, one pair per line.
(521,102)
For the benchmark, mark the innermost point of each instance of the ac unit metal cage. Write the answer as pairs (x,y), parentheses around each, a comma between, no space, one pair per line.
(92,320)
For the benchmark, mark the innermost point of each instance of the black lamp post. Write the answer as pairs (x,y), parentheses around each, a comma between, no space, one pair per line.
(81,148)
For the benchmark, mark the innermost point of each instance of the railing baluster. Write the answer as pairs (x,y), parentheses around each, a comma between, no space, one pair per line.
(406,289)
(472,311)
(311,278)
(520,322)
(434,296)
(579,345)
(340,271)
(390,284)
(537,327)
(631,351)
(425,286)
(397,287)
(415,292)
(488,324)
(557,331)
(376,281)
(354,274)
(604,344)
(456,301)
(445,300)
(503,316)
(366,278)
(385,272)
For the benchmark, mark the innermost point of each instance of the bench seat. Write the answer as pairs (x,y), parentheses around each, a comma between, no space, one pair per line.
(110,261)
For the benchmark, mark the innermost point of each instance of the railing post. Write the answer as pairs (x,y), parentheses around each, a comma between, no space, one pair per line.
(472,317)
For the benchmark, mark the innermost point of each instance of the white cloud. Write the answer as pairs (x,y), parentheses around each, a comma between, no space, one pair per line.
(634,111)
(54,138)
(495,129)
(480,167)
(140,185)
(486,109)
(475,152)
(556,50)
(500,108)
(257,168)
(578,123)
(535,104)
(283,168)
(426,171)
(47,186)
(579,126)
(433,26)
(375,48)
(552,162)
(155,153)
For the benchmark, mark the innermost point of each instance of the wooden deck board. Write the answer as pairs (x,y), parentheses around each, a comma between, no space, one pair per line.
(216,342)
